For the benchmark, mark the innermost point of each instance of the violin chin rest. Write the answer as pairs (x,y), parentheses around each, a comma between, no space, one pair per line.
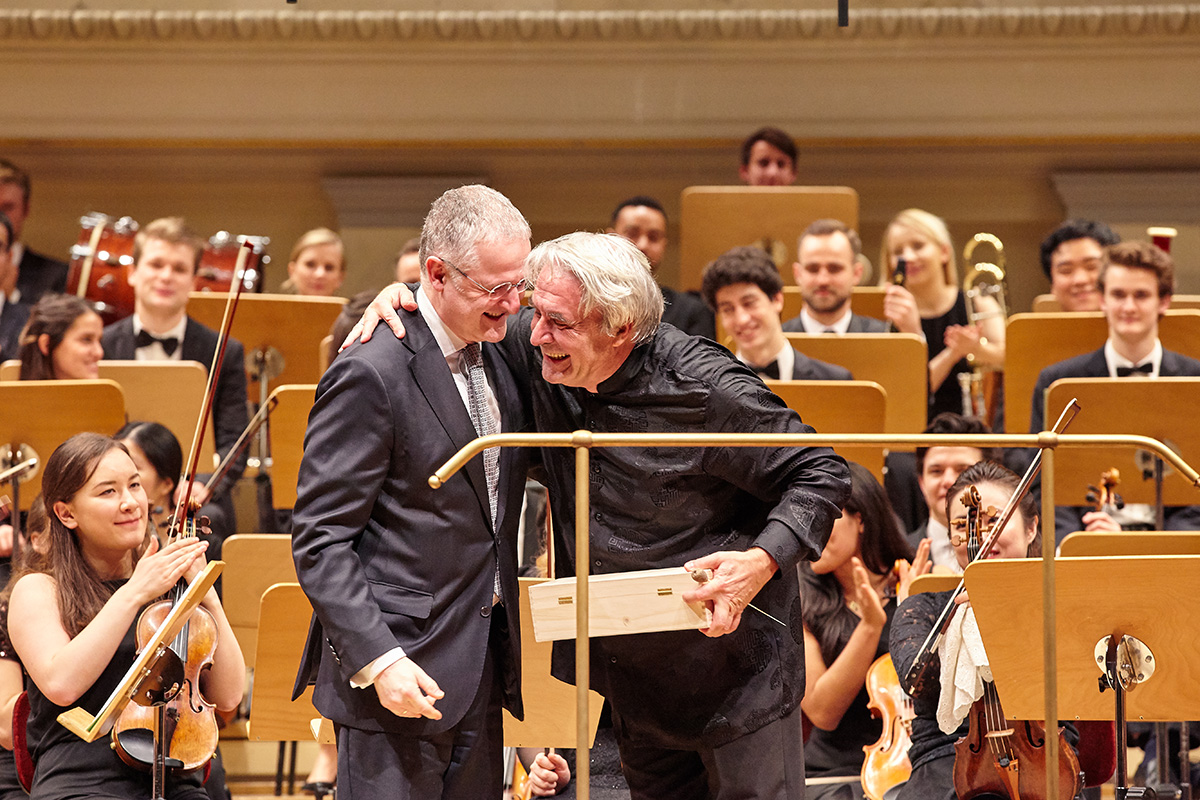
(138,744)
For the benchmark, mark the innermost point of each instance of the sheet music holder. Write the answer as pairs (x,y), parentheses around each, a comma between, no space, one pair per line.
(37,416)
(715,218)
(1134,406)
(840,407)
(1154,598)
(288,423)
(285,330)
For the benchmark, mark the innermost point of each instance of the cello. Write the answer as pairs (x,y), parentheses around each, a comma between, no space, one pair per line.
(998,757)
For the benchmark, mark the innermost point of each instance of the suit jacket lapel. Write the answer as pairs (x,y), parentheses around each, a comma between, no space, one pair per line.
(432,376)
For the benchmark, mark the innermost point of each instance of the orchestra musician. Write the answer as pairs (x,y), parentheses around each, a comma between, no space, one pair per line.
(932,752)
(73,613)
(166,256)
(61,341)
(849,597)
(13,314)
(317,264)
(37,274)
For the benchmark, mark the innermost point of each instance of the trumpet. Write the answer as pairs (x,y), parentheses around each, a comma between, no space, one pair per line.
(986,293)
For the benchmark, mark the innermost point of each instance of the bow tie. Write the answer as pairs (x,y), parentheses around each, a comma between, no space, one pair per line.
(1141,369)
(145,339)
(770,371)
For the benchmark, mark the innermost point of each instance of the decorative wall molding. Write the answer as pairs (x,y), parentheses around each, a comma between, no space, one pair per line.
(381,27)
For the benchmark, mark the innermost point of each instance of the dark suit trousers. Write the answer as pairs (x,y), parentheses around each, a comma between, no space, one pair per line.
(767,764)
(462,763)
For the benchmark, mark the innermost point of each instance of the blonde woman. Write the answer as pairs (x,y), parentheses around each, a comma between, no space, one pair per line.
(317,264)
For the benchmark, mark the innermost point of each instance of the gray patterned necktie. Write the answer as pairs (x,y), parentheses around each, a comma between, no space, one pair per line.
(472,360)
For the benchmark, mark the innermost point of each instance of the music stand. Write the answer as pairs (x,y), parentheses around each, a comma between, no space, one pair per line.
(288,424)
(37,416)
(1151,598)
(840,407)
(715,218)
(281,334)
(896,361)
(1139,543)
(1035,341)
(1134,406)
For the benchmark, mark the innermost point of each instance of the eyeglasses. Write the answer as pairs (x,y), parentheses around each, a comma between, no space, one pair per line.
(502,289)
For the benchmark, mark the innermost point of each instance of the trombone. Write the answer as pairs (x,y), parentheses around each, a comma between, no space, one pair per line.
(986,294)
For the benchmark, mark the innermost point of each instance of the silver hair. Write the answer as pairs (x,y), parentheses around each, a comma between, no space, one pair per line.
(613,274)
(464,217)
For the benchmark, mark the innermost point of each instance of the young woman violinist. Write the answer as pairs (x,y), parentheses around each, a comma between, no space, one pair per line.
(74,612)
(932,752)
(848,597)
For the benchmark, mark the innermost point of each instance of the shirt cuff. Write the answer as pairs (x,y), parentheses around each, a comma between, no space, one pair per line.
(366,676)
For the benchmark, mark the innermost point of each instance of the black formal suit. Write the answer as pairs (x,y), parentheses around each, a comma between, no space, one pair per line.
(810,369)
(857,325)
(12,321)
(1068,519)
(387,561)
(688,313)
(230,417)
(38,275)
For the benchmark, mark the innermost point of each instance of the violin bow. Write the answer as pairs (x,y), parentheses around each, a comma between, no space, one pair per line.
(918,673)
(256,422)
(210,389)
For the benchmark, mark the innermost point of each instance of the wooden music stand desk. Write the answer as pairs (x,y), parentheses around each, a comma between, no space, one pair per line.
(283,621)
(1035,341)
(840,407)
(288,423)
(254,562)
(714,219)
(1153,598)
(1155,408)
(933,583)
(38,416)
(549,703)
(896,361)
(291,325)
(1139,543)
(1048,304)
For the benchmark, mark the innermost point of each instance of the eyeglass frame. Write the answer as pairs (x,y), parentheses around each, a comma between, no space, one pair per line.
(502,288)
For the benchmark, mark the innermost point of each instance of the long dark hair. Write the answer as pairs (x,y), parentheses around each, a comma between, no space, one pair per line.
(824,603)
(53,315)
(160,446)
(998,475)
(82,592)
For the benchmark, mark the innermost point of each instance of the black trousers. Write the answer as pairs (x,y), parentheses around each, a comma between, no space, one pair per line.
(464,762)
(767,764)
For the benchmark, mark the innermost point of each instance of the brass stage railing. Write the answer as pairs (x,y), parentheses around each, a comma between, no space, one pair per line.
(583,441)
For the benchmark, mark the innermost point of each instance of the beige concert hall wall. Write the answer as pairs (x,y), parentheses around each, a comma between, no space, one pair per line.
(265,118)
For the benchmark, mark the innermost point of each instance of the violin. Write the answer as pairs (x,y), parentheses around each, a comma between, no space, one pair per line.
(886,762)
(997,758)
(1104,497)
(191,731)
(171,725)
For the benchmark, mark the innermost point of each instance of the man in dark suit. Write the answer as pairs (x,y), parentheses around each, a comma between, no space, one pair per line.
(643,221)
(744,288)
(166,255)
(827,269)
(36,274)
(1137,280)
(414,645)
(12,315)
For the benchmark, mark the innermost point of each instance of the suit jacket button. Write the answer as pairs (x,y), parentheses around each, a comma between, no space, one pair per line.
(486,611)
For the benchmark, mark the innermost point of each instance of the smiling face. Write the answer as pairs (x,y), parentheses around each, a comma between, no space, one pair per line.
(1014,541)
(925,259)
(941,469)
(768,166)
(162,278)
(751,317)
(1075,273)
(1131,303)
(108,514)
(826,272)
(469,311)
(317,270)
(78,355)
(576,351)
